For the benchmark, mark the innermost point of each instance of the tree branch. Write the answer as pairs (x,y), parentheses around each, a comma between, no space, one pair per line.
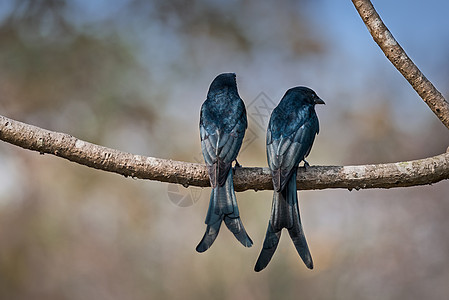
(402,174)
(397,56)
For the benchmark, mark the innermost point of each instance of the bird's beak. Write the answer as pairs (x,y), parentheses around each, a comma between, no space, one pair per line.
(319,101)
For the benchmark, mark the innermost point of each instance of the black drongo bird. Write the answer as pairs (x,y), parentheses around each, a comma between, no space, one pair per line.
(291,131)
(222,127)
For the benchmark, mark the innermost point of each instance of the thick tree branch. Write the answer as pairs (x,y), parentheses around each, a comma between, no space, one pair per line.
(394,52)
(402,174)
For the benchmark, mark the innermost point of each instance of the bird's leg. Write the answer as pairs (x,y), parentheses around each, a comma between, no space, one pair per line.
(237,165)
(306,164)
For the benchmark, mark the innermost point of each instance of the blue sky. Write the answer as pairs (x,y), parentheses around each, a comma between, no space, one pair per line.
(421,27)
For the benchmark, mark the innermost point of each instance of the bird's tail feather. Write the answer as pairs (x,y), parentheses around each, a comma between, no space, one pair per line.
(296,232)
(209,236)
(269,247)
(223,206)
(284,214)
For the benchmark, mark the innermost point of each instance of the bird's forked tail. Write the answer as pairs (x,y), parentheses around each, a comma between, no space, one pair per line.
(223,206)
(284,214)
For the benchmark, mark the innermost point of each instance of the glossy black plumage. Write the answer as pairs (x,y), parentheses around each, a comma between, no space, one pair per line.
(222,127)
(290,135)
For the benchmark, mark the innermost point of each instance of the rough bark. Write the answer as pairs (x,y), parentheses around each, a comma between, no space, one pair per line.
(400,60)
(401,174)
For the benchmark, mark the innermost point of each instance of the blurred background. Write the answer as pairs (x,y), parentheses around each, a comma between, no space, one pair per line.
(132,75)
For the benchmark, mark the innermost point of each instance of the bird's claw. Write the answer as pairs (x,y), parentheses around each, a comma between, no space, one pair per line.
(236,166)
(306,165)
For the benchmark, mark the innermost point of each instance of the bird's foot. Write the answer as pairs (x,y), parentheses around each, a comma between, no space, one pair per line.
(236,166)
(306,165)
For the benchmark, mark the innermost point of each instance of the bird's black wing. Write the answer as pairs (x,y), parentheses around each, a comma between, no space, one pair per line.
(286,151)
(221,144)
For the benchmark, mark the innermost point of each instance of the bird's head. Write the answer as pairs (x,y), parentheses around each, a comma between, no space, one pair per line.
(222,81)
(304,94)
